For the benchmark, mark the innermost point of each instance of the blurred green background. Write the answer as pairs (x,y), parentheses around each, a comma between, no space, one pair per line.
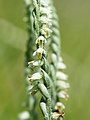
(75,33)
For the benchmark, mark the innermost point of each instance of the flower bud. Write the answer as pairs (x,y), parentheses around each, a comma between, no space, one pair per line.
(43,90)
(44,109)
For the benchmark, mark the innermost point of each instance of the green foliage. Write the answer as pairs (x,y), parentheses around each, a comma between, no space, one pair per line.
(11,69)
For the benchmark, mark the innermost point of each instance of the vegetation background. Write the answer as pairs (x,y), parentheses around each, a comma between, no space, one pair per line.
(75,33)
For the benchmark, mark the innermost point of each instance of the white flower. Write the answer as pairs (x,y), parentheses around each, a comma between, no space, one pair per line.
(46,31)
(39,52)
(60,75)
(35,63)
(45,20)
(24,115)
(62,84)
(41,41)
(46,11)
(35,76)
(45,2)
(61,65)
(63,94)
(55,115)
(59,106)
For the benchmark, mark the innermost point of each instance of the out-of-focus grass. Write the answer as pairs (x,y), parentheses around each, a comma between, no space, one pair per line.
(12,46)
(75,27)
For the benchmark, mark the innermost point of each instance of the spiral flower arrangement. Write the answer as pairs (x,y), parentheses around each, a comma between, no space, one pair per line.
(45,78)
